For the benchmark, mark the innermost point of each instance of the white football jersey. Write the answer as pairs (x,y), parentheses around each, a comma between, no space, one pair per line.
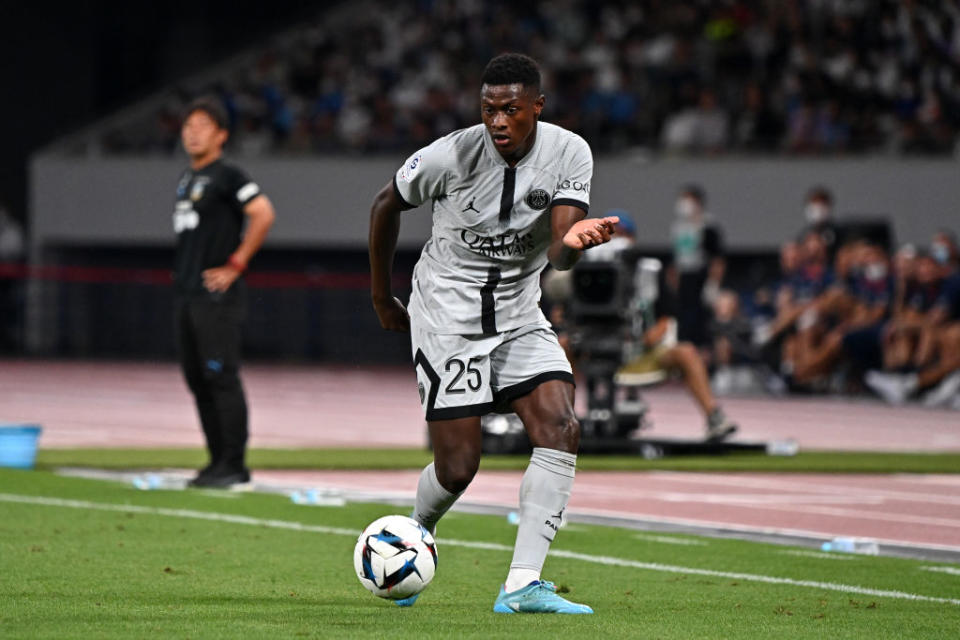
(479,271)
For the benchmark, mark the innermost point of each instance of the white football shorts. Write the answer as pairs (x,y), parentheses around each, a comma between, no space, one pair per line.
(460,376)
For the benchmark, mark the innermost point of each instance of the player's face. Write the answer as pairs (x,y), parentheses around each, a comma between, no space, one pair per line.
(201,135)
(510,113)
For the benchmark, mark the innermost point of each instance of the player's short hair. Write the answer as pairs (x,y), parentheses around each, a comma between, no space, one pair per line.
(512,68)
(211,106)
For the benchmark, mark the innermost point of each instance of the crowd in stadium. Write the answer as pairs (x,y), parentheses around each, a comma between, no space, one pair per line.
(847,314)
(792,76)
(850,312)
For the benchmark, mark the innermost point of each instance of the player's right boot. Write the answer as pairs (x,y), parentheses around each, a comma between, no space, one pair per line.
(539,596)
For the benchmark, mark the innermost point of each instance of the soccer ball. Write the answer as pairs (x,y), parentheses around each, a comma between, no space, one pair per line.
(395,557)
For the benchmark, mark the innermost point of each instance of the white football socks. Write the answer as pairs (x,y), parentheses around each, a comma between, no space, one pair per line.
(544,493)
(432,499)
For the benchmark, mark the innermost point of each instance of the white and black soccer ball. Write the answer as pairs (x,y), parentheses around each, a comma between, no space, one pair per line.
(395,557)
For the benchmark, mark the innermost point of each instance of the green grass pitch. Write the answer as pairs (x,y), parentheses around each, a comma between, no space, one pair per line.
(102,560)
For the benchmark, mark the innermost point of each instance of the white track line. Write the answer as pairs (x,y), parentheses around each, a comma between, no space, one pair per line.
(697,523)
(864,515)
(490,546)
(782,484)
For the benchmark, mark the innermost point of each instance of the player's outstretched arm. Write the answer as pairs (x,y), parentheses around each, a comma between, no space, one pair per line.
(384,230)
(572,233)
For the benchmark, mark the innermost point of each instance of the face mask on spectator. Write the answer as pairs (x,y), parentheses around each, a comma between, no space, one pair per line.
(619,243)
(816,212)
(875,271)
(940,253)
(686,208)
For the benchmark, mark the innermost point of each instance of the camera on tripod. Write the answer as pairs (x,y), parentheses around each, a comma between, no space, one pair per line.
(610,306)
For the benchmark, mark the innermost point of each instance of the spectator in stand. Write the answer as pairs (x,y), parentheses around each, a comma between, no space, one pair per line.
(944,249)
(903,267)
(936,357)
(758,127)
(701,128)
(862,299)
(818,217)
(800,289)
(816,77)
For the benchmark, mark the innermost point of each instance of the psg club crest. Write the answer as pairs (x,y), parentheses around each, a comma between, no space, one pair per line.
(538,199)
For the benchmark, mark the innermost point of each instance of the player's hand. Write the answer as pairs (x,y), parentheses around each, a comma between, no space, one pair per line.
(392,314)
(219,279)
(590,232)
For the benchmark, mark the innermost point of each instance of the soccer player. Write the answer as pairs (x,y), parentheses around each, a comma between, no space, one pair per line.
(507,196)
(213,200)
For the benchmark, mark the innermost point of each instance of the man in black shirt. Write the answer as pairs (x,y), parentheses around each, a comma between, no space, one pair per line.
(213,199)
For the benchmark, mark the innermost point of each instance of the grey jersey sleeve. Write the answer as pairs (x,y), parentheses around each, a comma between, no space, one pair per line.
(574,186)
(424,175)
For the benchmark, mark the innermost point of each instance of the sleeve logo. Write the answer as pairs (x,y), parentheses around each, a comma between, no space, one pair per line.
(573,185)
(410,169)
(247,191)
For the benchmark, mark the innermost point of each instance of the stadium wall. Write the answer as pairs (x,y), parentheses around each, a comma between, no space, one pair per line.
(325,202)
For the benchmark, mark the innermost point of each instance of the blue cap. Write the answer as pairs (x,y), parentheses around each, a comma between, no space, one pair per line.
(626,222)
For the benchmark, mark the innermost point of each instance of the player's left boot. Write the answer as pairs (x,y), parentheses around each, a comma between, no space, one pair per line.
(539,596)
(407,602)
(719,426)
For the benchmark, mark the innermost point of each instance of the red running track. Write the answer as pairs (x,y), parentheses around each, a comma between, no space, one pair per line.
(96,404)
(102,404)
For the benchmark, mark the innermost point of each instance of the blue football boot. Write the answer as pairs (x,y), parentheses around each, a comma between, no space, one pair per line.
(537,597)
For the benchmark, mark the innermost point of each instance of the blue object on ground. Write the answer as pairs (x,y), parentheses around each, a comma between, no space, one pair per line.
(18,445)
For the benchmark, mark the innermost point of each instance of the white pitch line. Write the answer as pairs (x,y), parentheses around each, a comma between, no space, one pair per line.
(668,540)
(820,555)
(490,546)
(948,570)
